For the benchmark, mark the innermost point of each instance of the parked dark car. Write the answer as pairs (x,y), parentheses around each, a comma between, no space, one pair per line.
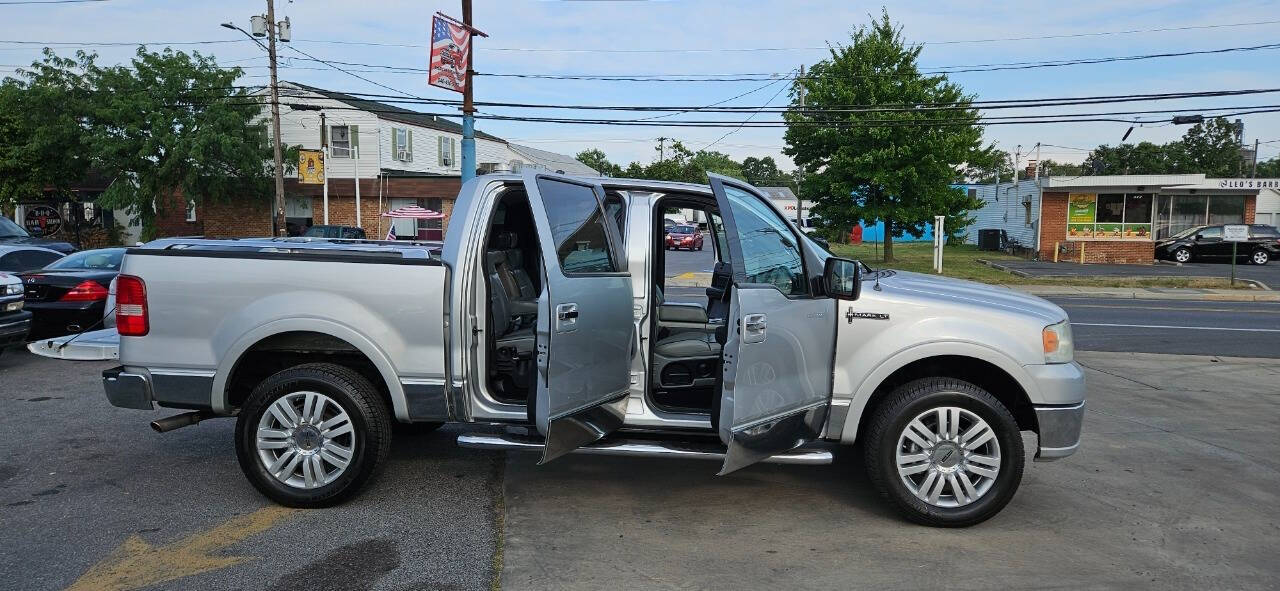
(1206,243)
(687,237)
(14,321)
(16,259)
(348,232)
(15,235)
(70,295)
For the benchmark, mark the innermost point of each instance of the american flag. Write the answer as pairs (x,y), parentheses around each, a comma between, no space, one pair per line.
(391,234)
(449,43)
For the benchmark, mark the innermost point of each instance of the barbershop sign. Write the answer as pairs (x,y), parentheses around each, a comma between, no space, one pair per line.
(1249,183)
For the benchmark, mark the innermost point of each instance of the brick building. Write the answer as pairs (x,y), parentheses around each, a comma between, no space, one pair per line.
(1113,218)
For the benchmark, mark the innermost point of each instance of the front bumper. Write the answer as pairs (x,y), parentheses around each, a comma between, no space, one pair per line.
(1059,431)
(126,389)
(14,327)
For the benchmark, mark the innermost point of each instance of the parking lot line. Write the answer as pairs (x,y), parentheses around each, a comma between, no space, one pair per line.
(135,564)
(1174,327)
(1169,308)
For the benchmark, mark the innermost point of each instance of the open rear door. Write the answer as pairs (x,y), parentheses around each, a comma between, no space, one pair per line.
(778,353)
(585,328)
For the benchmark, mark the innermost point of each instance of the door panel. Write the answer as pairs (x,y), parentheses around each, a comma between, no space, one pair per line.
(584,330)
(777,359)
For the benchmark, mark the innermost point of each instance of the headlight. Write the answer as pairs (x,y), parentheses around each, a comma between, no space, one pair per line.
(1058,346)
(13,289)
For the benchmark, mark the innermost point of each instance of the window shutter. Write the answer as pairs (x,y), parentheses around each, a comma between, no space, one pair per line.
(409,135)
(355,140)
(395,146)
(440,150)
(453,151)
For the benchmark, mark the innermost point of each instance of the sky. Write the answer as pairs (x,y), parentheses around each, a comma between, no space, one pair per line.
(528,37)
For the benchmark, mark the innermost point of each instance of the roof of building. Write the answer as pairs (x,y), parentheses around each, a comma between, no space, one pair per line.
(394,113)
(553,161)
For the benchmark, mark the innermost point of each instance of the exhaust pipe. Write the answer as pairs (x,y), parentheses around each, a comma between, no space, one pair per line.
(185,419)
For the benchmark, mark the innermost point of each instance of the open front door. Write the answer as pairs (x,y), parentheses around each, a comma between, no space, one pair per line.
(777,359)
(585,329)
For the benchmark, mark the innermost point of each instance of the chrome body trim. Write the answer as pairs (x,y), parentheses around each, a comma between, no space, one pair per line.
(640,448)
(1059,431)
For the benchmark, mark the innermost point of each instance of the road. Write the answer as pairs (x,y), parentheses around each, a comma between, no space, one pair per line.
(91,498)
(1239,329)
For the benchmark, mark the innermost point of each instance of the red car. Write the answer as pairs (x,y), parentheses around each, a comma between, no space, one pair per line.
(684,237)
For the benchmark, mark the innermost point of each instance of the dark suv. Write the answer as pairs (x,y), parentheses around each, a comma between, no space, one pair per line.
(14,235)
(1206,243)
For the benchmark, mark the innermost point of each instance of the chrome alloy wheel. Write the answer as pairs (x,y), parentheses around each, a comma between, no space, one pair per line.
(1182,255)
(948,456)
(1260,257)
(305,439)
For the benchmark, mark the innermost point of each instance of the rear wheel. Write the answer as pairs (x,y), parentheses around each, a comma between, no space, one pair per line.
(312,435)
(1260,257)
(945,452)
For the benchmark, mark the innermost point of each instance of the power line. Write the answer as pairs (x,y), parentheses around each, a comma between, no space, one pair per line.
(745,121)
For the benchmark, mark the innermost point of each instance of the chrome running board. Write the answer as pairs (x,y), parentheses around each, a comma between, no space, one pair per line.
(640,448)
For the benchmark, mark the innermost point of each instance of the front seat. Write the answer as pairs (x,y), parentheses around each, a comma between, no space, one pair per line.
(519,300)
(689,353)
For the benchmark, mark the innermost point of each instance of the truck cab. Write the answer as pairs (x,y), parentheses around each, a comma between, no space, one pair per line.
(545,310)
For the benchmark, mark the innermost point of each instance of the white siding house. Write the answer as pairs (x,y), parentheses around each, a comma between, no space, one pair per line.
(1014,208)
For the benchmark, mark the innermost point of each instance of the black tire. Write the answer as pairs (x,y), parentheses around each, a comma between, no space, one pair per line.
(371,430)
(1260,257)
(906,402)
(1182,255)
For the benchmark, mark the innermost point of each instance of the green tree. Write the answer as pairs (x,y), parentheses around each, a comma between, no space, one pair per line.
(1140,158)
(596,158)
(1269,168)
(170,122)
(764,172)
(1050,167)
(983,165)
(1211,148)
(43,126)
(895,166)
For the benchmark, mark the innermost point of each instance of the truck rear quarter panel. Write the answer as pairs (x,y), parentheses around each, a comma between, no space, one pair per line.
(204,312)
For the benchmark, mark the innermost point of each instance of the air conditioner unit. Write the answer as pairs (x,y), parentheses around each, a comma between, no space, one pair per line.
(447,161)
(1026,200)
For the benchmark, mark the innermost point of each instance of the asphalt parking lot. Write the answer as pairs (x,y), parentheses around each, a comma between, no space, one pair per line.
(1176,486)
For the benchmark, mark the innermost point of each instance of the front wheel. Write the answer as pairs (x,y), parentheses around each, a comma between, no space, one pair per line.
(1182,255)
(312,435)
(944,452)
(1260,257)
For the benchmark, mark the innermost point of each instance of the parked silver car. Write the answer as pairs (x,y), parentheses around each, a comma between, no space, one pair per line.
(545,311)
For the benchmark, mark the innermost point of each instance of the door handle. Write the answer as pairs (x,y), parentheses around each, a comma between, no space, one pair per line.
(566,317)
(754,326)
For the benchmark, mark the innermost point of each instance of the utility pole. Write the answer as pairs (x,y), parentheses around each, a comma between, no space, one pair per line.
(800,172)
(468,109)
(324,153)
(275,118)
(1253,171)
(662,148)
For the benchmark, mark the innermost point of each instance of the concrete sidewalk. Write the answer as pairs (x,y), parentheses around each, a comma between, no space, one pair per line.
(1137,293)
(1175,487)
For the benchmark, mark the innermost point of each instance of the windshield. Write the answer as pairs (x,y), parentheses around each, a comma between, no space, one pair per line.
(1187,232)
(8,229)
(682,230)
(106,259)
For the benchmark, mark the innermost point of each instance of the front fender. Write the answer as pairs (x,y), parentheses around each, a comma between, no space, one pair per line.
(880,372)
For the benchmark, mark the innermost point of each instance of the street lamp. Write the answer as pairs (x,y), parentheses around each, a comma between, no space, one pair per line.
(272,30)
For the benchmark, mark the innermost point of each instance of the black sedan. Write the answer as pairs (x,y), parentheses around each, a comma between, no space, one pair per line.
(70,295)
(1206,243)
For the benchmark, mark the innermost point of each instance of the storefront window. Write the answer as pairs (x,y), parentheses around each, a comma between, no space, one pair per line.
(1110,215)
(1177,213)
(1226,209)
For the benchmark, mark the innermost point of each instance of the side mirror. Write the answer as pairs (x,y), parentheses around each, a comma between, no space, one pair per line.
(1198,237)
(842,279)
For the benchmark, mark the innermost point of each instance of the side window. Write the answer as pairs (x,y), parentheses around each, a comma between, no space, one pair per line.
(615,208)
(577,227)
(717,234)
(1211,232)
(769,250)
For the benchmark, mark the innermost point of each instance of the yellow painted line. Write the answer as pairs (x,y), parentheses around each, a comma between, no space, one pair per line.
(689,275)
(135,564)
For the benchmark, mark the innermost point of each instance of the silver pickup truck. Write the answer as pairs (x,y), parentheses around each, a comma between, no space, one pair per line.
(543,313)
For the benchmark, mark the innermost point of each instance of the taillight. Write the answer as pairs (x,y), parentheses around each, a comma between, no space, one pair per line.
(131,306)
(87,291)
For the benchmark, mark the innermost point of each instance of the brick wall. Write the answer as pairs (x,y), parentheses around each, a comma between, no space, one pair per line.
(171,217)
(237,218)
(342,196)
(1250,208)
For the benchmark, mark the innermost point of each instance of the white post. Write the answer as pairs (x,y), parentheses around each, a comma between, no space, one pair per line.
(356,174)
(939,239)
(328,163)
